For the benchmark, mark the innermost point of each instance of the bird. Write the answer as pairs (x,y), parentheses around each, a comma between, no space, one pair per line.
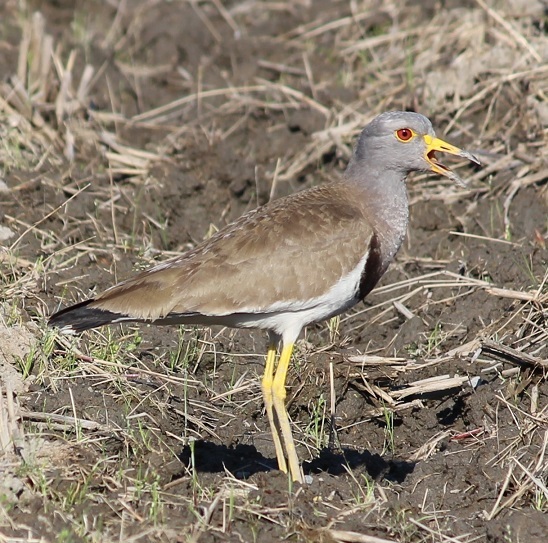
(294,261)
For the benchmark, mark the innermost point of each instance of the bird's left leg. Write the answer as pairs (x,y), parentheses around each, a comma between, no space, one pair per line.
(267,386)
(278,397)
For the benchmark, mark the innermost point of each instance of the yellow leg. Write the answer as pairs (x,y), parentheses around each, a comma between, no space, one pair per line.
(267,384)
(278,397)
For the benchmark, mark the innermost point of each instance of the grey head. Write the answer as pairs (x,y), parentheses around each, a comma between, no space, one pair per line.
(399,142)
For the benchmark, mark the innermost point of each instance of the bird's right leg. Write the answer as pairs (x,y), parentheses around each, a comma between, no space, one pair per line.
(278,396)
(268,380)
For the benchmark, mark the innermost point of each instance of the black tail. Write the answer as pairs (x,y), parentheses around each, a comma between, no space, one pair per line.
(80,317)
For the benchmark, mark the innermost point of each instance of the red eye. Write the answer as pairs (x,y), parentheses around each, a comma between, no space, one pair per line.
(404,134)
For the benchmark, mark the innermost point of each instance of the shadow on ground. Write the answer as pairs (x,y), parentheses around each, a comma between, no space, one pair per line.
(245,460)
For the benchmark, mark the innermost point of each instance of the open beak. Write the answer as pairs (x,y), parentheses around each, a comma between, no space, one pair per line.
(435,144)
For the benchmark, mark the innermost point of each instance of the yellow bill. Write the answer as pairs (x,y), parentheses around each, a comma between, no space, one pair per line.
(435,144)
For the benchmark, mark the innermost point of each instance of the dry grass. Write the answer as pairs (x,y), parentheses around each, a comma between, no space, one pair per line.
(113,472)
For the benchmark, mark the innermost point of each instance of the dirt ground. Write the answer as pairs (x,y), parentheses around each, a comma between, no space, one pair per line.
(130,131)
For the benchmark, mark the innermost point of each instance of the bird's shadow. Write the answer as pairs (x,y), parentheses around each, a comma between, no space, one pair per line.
(245,460)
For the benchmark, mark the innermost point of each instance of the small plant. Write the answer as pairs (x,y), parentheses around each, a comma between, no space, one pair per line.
(316,426)
(142,436)
(413,350)
(540,500)
(388,445)
(435,339)
(26,363)
(66,535)
(155,507)
(187,352)
(77,492)
(333,326)
(191,446)
(363,489)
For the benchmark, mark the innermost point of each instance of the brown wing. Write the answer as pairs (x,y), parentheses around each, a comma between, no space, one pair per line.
(292,249)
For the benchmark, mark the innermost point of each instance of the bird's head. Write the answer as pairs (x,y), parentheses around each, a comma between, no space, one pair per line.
(404,141)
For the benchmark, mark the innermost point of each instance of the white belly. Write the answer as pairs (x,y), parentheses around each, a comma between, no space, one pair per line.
(287,318)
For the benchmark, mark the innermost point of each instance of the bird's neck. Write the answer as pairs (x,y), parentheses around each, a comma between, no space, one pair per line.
(386,204)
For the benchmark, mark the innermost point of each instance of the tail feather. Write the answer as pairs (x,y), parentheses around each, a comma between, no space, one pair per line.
(84,316)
